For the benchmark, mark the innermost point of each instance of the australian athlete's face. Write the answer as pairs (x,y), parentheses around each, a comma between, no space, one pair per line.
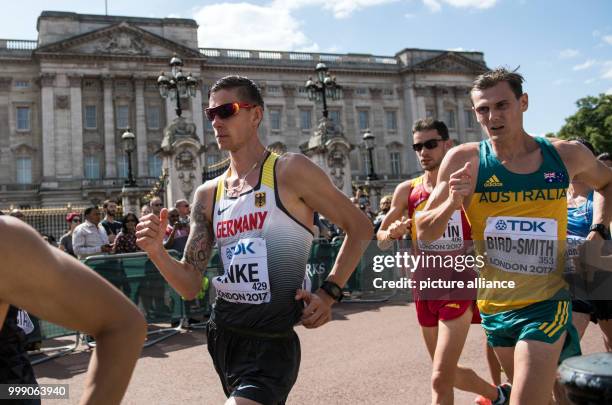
(498,110)
(430,159)
(233,132)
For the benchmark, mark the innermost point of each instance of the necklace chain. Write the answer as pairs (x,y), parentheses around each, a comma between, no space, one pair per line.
(242,180)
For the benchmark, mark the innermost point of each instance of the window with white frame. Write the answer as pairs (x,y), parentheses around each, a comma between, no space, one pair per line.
(395,163)
(364,119)
(275,119)
(122,166)
(92,167)
(470,122)
(335,117)
(306,119)
(22,84)
(23,118)
(123,116)
(273,89)
(24,170)
(155,165)
(387,91)
(391,118)
(362,91)
(91,117)
(450,119)
(153,114)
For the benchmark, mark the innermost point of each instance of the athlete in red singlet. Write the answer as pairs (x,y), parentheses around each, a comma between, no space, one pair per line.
(444,321)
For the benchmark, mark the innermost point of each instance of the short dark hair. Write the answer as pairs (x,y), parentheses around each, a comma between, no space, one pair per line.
(89,209)
(248,90)
(493,77)
(428,124)
(105,204)
(588,145)
(604,156)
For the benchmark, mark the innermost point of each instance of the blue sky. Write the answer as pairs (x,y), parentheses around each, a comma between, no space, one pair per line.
(563,47)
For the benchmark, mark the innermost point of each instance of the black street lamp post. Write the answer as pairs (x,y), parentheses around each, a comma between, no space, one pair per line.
(177,85)
(368,141)
(129,145)
(325,87)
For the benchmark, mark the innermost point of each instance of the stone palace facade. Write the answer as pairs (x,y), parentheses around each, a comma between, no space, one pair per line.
(67,97)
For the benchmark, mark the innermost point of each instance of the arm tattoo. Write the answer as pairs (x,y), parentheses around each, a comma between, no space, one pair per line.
(199,245)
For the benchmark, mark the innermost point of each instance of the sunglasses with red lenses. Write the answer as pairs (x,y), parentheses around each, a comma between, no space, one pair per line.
(224,111)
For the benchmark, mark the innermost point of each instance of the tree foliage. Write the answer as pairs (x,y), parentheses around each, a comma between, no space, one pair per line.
(592,121)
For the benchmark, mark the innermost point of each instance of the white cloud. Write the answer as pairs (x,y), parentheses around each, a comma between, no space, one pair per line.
(250,26)
(607,72)
(607,39)
(569,53)
(609,91)
(590,81)
(460,49)
(433,5)
(589,63)
(340,8)
(409,15)
(482,4)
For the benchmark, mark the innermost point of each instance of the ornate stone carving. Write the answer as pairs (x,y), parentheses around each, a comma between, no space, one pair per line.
(124,43)
(187,183)
(184,160)
(289,89)
(47,79)
(375,92)
(179,129)
(75,80)
(62,102)
(336,161)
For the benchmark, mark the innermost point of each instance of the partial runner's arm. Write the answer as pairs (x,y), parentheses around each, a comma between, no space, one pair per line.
(456,183)
(184,276)
(56,287)
(395,224)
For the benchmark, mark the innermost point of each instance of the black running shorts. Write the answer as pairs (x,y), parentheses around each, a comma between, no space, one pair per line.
(258,366)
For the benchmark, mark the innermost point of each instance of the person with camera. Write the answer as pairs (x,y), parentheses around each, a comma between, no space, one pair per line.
(177,232)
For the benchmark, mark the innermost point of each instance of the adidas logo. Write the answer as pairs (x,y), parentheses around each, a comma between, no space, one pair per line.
(493,182)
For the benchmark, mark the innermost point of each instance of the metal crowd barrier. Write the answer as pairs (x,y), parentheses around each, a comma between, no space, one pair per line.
(138,278)
(50,331)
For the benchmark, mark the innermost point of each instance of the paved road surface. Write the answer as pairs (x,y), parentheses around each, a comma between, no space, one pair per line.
(370,354)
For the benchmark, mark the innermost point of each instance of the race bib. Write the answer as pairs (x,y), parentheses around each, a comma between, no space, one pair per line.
(24,322)
(521,244)
(451,240)
(245,280)
(572,252)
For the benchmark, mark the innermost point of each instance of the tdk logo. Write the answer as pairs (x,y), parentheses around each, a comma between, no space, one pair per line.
(243,249)
(500,225)
(526,226)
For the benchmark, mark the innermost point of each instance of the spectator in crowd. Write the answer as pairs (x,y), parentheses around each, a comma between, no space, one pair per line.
(183,209)
(156,205)
(606,158)
(145,210)
(385,205)
(177,232)
(17,214)
(73,219)
(111,226)
(90,237)
(125,242)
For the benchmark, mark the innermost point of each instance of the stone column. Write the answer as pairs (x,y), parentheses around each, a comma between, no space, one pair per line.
(48,126)
(141,129)
(438,91)
(109,129)
(198,115)
(461,130)
(76,125)
(170,110)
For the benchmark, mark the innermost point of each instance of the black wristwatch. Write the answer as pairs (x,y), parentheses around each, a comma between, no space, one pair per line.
(601,229)
(332,289)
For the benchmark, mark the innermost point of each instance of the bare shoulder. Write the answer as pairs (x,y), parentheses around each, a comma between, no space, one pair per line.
(294,164)
(458,156)
(203,199)
(573,154)
(403,188)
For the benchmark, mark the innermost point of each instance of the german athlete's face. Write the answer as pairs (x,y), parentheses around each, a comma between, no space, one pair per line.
(498,110)
(234,131)
(432,148)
